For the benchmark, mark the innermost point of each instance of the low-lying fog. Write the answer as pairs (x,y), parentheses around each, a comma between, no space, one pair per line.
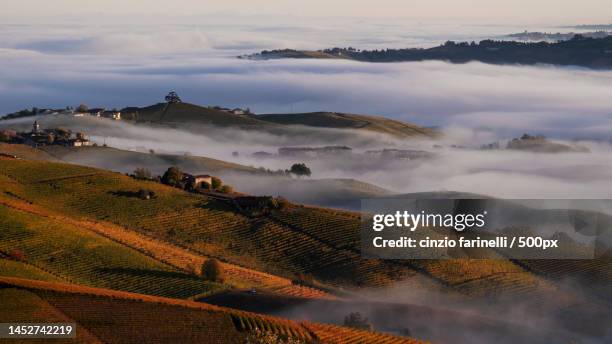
(456,163)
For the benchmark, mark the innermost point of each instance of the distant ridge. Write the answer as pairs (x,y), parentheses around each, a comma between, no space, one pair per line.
(580,51)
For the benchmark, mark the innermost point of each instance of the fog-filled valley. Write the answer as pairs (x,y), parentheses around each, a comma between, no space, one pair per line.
(454,162)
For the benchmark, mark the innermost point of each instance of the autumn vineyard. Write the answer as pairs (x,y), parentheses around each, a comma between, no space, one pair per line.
(77,245)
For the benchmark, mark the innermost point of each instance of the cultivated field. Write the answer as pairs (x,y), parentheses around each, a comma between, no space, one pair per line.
(114,317)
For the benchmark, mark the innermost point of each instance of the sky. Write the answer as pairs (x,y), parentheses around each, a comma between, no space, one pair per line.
(585,11)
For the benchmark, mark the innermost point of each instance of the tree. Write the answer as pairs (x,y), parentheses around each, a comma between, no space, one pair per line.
(173,176)
(63,133)
(300,170)
(216,183)
(212,271)
(355,320)
(227,189)
(82,108)
(173,97)
(142,173)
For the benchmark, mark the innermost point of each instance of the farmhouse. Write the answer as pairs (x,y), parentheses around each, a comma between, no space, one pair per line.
(78,142)
(197,182)
(113,114)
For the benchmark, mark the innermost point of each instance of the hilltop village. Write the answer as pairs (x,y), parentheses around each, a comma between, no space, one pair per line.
(39,137)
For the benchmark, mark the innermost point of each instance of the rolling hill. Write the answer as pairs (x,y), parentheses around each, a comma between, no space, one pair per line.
(191,114)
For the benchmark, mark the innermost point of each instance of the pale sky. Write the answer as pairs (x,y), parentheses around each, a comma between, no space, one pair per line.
(559,11)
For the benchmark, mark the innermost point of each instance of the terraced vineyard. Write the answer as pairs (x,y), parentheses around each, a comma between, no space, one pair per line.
(22,305)
(206,226)
(72,254)
(340,229)
(317,242)
(127,318)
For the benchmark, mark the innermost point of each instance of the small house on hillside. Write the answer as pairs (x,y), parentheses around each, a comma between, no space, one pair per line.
(113,114)
(196,182)
(78,142)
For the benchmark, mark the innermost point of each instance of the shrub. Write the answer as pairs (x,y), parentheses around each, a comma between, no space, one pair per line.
(212,271)
(142,173)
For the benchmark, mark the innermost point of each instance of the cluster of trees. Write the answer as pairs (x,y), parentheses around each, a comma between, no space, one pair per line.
(300,170)
(579,51)
(175,177)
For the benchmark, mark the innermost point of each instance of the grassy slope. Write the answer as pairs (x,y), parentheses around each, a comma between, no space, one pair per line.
(349,121)
(128,318)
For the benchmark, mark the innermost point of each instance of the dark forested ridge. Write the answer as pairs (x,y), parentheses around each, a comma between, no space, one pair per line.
(578,51)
